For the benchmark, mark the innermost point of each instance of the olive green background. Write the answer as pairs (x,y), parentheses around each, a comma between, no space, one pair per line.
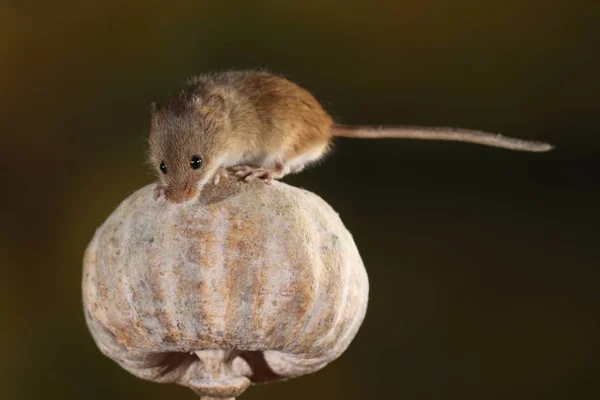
(483,263)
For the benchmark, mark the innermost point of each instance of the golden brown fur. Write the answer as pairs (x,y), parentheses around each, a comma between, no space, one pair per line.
(259,125)
(231,119)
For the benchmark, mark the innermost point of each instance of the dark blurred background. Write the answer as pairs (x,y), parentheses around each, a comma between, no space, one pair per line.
(483,263)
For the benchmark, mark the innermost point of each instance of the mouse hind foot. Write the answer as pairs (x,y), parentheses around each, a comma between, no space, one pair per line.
(248,173)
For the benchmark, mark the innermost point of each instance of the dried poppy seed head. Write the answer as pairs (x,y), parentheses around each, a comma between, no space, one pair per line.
(253,284)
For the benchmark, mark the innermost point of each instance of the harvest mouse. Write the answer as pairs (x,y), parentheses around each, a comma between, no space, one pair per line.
(258,125)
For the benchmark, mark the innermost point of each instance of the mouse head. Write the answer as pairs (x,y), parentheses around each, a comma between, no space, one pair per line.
(186,144)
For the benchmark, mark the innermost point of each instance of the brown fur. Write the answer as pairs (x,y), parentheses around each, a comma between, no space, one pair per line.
(248,115)
(261,125)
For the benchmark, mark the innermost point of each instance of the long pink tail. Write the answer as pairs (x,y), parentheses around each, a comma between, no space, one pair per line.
(430,133)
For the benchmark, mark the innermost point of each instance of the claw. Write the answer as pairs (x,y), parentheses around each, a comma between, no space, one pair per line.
(257,173)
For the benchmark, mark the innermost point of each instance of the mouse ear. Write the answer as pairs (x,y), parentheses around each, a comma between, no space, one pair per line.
(213,105)
(153,107)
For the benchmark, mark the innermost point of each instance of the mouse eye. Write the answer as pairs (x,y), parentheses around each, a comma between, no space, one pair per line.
(195,162)
(163,167)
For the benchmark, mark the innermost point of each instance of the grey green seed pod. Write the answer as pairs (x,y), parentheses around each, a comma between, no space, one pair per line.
(253,283)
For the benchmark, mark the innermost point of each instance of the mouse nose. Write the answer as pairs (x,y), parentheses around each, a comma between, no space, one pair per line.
(180,195)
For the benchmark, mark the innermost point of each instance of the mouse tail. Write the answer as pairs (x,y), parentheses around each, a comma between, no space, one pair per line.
(431,133)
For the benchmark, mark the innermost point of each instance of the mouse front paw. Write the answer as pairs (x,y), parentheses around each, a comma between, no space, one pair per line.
(221,174)
(160,192)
